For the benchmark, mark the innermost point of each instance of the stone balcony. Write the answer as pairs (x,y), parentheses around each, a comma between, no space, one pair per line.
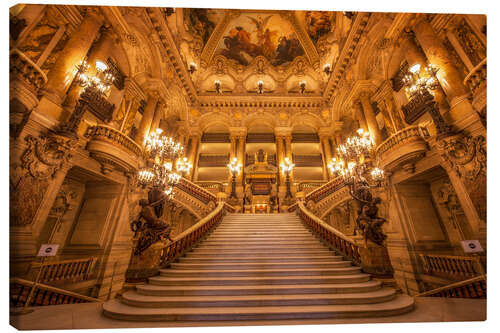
(24,70)
(113,149)
(476,81)
(403,148)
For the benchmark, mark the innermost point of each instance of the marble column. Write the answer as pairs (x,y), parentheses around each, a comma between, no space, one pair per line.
(371,121)
(155,123)
(448,75)
(280,156)
(360,116)
(324,136)
(99,52)
(414,55)
(194,153)
(147,118)
(62,73)
(241,156)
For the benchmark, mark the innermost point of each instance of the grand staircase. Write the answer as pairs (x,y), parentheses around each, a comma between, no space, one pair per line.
(259,267)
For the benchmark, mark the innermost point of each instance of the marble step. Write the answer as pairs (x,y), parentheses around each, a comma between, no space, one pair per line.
(257,280)
(311,244)
(259,272)
(283,289)
(252,252)
(115,309)
(135,299)
(261,265)
(257,238)
(263,259)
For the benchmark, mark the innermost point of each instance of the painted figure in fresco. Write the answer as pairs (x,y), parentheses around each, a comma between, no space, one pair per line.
(318,24)
(242,45)
(149,228)
(200,22)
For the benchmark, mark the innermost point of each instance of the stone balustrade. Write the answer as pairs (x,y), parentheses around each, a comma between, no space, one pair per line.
(449,266)
(476,76)
(113,149)
(404,147)
(333,237)
(72,270)
(308,186)
(470,288)
(22,67)
(211,186)
(43,294)
(187,239)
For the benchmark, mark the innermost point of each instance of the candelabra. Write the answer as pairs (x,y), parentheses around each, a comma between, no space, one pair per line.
(287,167)
(353,162)
(160,174)
(101,81)
(420,82)
(234,169)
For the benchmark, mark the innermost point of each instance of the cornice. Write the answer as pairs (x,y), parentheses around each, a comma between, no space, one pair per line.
(261,102)
(347,53)
(173,56)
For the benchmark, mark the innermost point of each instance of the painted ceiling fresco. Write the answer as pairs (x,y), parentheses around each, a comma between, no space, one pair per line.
(201,22)
(319,24)
(260,34)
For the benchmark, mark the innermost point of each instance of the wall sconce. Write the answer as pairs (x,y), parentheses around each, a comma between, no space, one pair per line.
(218,86)
(302,85)
(192,68)
(327,69)
(260,87)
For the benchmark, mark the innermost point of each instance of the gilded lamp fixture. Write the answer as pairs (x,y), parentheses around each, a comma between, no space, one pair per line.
(101,81)
(234,169)
(162,154)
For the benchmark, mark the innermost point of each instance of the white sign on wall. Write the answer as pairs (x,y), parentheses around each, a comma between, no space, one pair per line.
(48,250)
(471,246)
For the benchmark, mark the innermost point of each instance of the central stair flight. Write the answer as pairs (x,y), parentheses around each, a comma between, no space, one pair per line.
(259,267)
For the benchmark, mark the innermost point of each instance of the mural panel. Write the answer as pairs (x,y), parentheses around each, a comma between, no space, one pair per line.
(319,24)
(260,34)
(201,22)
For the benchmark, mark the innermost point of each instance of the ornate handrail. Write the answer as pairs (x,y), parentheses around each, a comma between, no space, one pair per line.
(43,294)
(324,191)
(196,191)
(188,238)
(471,288)
(71,269)
(210,185)
(21,65)
(476,76)
(310,184)
(451,266)
(114,136)
(402,136)
(342,243)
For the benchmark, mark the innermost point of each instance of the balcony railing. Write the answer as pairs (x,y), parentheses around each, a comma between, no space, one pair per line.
(470,288)
(109,134)
(21,66)
(43,294)
(250,159)
(73,270)
(215,138)
(212,160)
(330,235)
(305,138)
(390,151)
(260,138)
(190,237)
(312,160)
(456,267)
(476,76)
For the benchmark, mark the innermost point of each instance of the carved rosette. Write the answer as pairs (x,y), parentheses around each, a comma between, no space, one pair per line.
(466,156)
(44,156)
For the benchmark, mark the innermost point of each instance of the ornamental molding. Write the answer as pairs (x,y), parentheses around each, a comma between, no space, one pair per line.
(466,155)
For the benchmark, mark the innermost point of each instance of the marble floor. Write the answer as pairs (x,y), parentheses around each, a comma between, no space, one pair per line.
(89,316)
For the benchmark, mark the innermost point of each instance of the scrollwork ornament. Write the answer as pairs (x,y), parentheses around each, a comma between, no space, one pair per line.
(466,155)
(46,155)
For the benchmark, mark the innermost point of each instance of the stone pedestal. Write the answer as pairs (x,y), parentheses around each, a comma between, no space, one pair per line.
(146,264)
(374,258)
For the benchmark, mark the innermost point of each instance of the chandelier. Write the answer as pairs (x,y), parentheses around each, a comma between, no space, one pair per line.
(417,79)
(101,81)
(355,158)
(354,161)
(162,154)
